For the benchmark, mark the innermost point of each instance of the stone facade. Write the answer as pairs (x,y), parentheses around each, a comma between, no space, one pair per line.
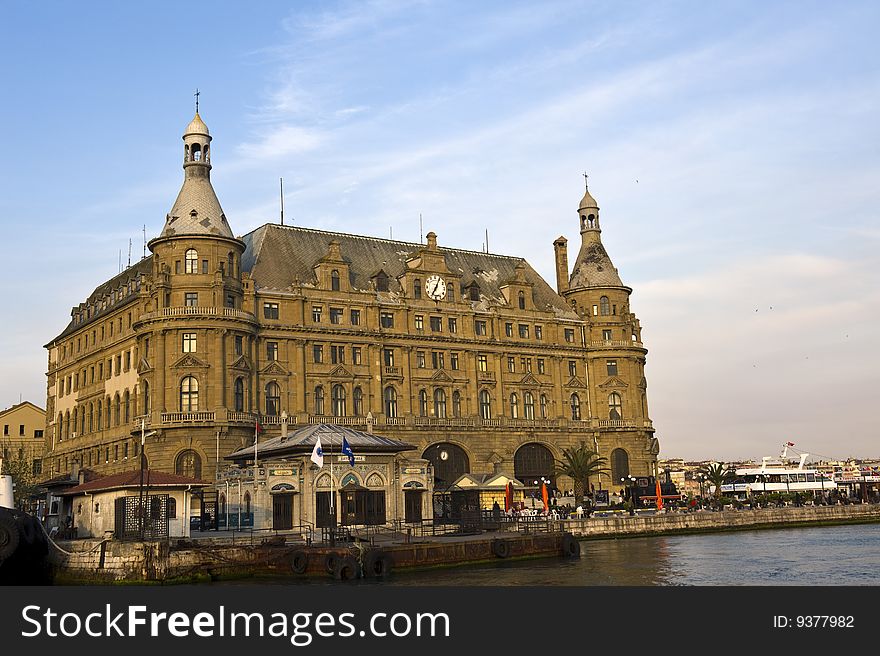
(23,433)
(471,357)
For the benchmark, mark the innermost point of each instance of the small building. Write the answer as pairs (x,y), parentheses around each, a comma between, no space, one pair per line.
(112,503)
(22,435)
(286,490)
(488,489)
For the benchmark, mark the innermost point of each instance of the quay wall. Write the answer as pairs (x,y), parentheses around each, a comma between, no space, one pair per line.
(726,520)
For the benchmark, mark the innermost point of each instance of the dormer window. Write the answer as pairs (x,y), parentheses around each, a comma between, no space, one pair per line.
(334,280)
(381,281)
(522,300)
(474,292)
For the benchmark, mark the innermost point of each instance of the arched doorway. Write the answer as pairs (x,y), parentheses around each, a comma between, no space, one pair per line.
(533,461)
(449,462)
(619,466)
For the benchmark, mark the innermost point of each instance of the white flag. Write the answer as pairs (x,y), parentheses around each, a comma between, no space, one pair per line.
(318,454)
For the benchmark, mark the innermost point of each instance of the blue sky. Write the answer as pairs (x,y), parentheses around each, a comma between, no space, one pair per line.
(732,147)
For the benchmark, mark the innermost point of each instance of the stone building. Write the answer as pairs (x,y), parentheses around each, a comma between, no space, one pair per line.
(23,434)
(471,357)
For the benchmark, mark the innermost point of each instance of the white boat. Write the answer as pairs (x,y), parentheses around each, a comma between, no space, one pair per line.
(779,475)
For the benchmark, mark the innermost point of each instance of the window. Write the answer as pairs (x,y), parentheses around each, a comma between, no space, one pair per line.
(386,319)
(381,282)
(271,351)
(358,397)
(437,358)
(514,406)
(456,404)
(127,361)
(239,344)
(390,397)
(479,327)
(337,354)
(239,395)
(539,332)
(540,365)
(230,301)
(569,334)
(230,265)
(273,399)
(575,407)
(318,354)
(595,310)
(511,364)
(482,362)
(189,342)
(388,357)
(440,403)
(528,405)
(543,402)
(474,292)
(423,403)
(316,313)
(611,367)
(191,259)
(204,266)
(523,331)
(526,365)
(619,464)
(436,324)
(191,299)
(453,361)
(485,405)
(334,280)
(417,288)
(319,400)
(419,322)
(118,365)
(521,298)
(508,329)
(420,359)
(270,310)
(146,398)
(604,306)
(337,398)
(188,463)
(615,406)
(355,317)
(189,394)
(177,267)
(606,335)
(572,368)
(336,315)
(356,355)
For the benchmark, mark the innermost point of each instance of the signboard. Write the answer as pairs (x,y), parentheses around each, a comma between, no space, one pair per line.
(344,459)
(601,497)
(413,470)
(282,472)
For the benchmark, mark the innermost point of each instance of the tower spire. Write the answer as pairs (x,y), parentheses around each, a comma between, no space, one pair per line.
(586,180)
(197,94)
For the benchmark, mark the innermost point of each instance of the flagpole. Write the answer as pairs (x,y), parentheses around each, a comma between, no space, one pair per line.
(256,441)
(332,507)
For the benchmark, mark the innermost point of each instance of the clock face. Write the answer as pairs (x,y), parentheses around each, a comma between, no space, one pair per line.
(435,288)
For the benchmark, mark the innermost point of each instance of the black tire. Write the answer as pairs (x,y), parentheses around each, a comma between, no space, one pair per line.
(9,536)
(378,563)
(571,548)
(346,569)
(299,562)
(501,548)
(330,562)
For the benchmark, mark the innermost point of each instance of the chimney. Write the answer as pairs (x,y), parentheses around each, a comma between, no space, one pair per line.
(283,425)
(561,251)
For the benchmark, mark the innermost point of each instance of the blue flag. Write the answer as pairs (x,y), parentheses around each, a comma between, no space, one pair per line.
(346,450)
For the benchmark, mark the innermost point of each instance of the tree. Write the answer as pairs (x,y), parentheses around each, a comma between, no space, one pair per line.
(22,472)
(717,474)
(580,464)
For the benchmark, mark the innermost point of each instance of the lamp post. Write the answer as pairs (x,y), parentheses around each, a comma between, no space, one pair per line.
(700,478)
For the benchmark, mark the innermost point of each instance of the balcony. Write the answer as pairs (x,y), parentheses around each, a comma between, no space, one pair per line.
(444,422)
(197,311)
(338,421)
(614,343)
(395,372)
(620,423)
(188,417)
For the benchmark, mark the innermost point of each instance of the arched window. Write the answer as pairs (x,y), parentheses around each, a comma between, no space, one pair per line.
(107,412)
(239,395)
(423,403)
(191,261)
(337,396)
(98,418)
(230,265)
(334,280)
(146,398)
(619,465)
(456,404)
(485,405)
(417,287)
(189,464)
(273,399)
(543,402)
(514,406)
(532,461)
(67,429)
(221,503)
(604,306)
(82,422)
(528,405)
(440,403)
(126,407)
(449,462)
(522,300)
(382,282)
(319,400)
(171,508)
(117,405)
(196,152)
(591,220)
(390,396)
(189,394)
(358,400)
(615,406)
(92,417)
(575,407)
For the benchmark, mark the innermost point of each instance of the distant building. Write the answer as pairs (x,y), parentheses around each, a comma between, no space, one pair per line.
(22,437)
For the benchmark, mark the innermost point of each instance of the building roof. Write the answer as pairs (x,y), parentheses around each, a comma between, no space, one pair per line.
(70,479)
(279,257)
(23,404)
(593,267)
(196,211)
(132,479)
(302,440)
(196,126)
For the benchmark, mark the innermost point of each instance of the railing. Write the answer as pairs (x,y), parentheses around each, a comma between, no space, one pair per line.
(192,310)
(618,423)
(187,417)
(491,423)
(532,423)
(339,421)
(614,343)
(395,421)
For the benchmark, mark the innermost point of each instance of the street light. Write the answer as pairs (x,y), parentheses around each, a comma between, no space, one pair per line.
(700,478)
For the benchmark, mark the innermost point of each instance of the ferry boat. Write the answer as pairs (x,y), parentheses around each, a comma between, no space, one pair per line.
(779,475)
(23,543)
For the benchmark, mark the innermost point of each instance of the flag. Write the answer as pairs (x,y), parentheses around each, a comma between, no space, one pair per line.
(257,429)
(545,497)
(508,496)
(346,451)
(790,443)
(659,494)
(318,454)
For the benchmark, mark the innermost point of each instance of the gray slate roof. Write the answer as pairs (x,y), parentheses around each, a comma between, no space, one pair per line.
(593,268)
(196,211)
(302,440)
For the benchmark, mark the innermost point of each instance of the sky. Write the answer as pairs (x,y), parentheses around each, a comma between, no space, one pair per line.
(732,148)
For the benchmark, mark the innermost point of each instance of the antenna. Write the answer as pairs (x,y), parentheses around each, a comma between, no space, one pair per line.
(120,261)
(145,242)
(487,240)
(282,200)
(129,252)
(420,228)
(390,232)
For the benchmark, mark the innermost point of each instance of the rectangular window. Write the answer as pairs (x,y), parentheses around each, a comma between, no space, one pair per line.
(606,335)
(125,451)
(479,327)
(523,331)
(91,374)
(239,344)
(337,355)
(356,355)
(146,347)
(453,361)
(539,332)
(270,310)
(118,364)
(21,429)
(189,342)
(595,310)
(386,319)
(417,288)
(452,322)
(419,322)
(572,368)
(388,357)
(127,360)
(611,367)
(316,313)
(271,351)
(569,334)
(355,317)
(526,365)
(38,433)
(420,359)
(204,266)
(437,360)
(177,267)
(191,299)
(318,353)
(508,329)
(540,365)
(336,315)
(483,362)
(230,301)
(511,364)
(436,324)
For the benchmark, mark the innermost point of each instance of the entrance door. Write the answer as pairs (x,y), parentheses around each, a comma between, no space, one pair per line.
(412,506)
(282,512)
(322,509)
(350,508)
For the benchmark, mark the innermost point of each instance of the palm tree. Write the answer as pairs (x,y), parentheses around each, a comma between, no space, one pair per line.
(717,474)
(580,464)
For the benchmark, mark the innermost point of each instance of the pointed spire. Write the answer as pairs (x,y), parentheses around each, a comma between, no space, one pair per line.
(593,267)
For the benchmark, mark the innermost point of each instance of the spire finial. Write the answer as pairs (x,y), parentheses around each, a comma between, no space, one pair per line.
(197,94)
(586,181)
